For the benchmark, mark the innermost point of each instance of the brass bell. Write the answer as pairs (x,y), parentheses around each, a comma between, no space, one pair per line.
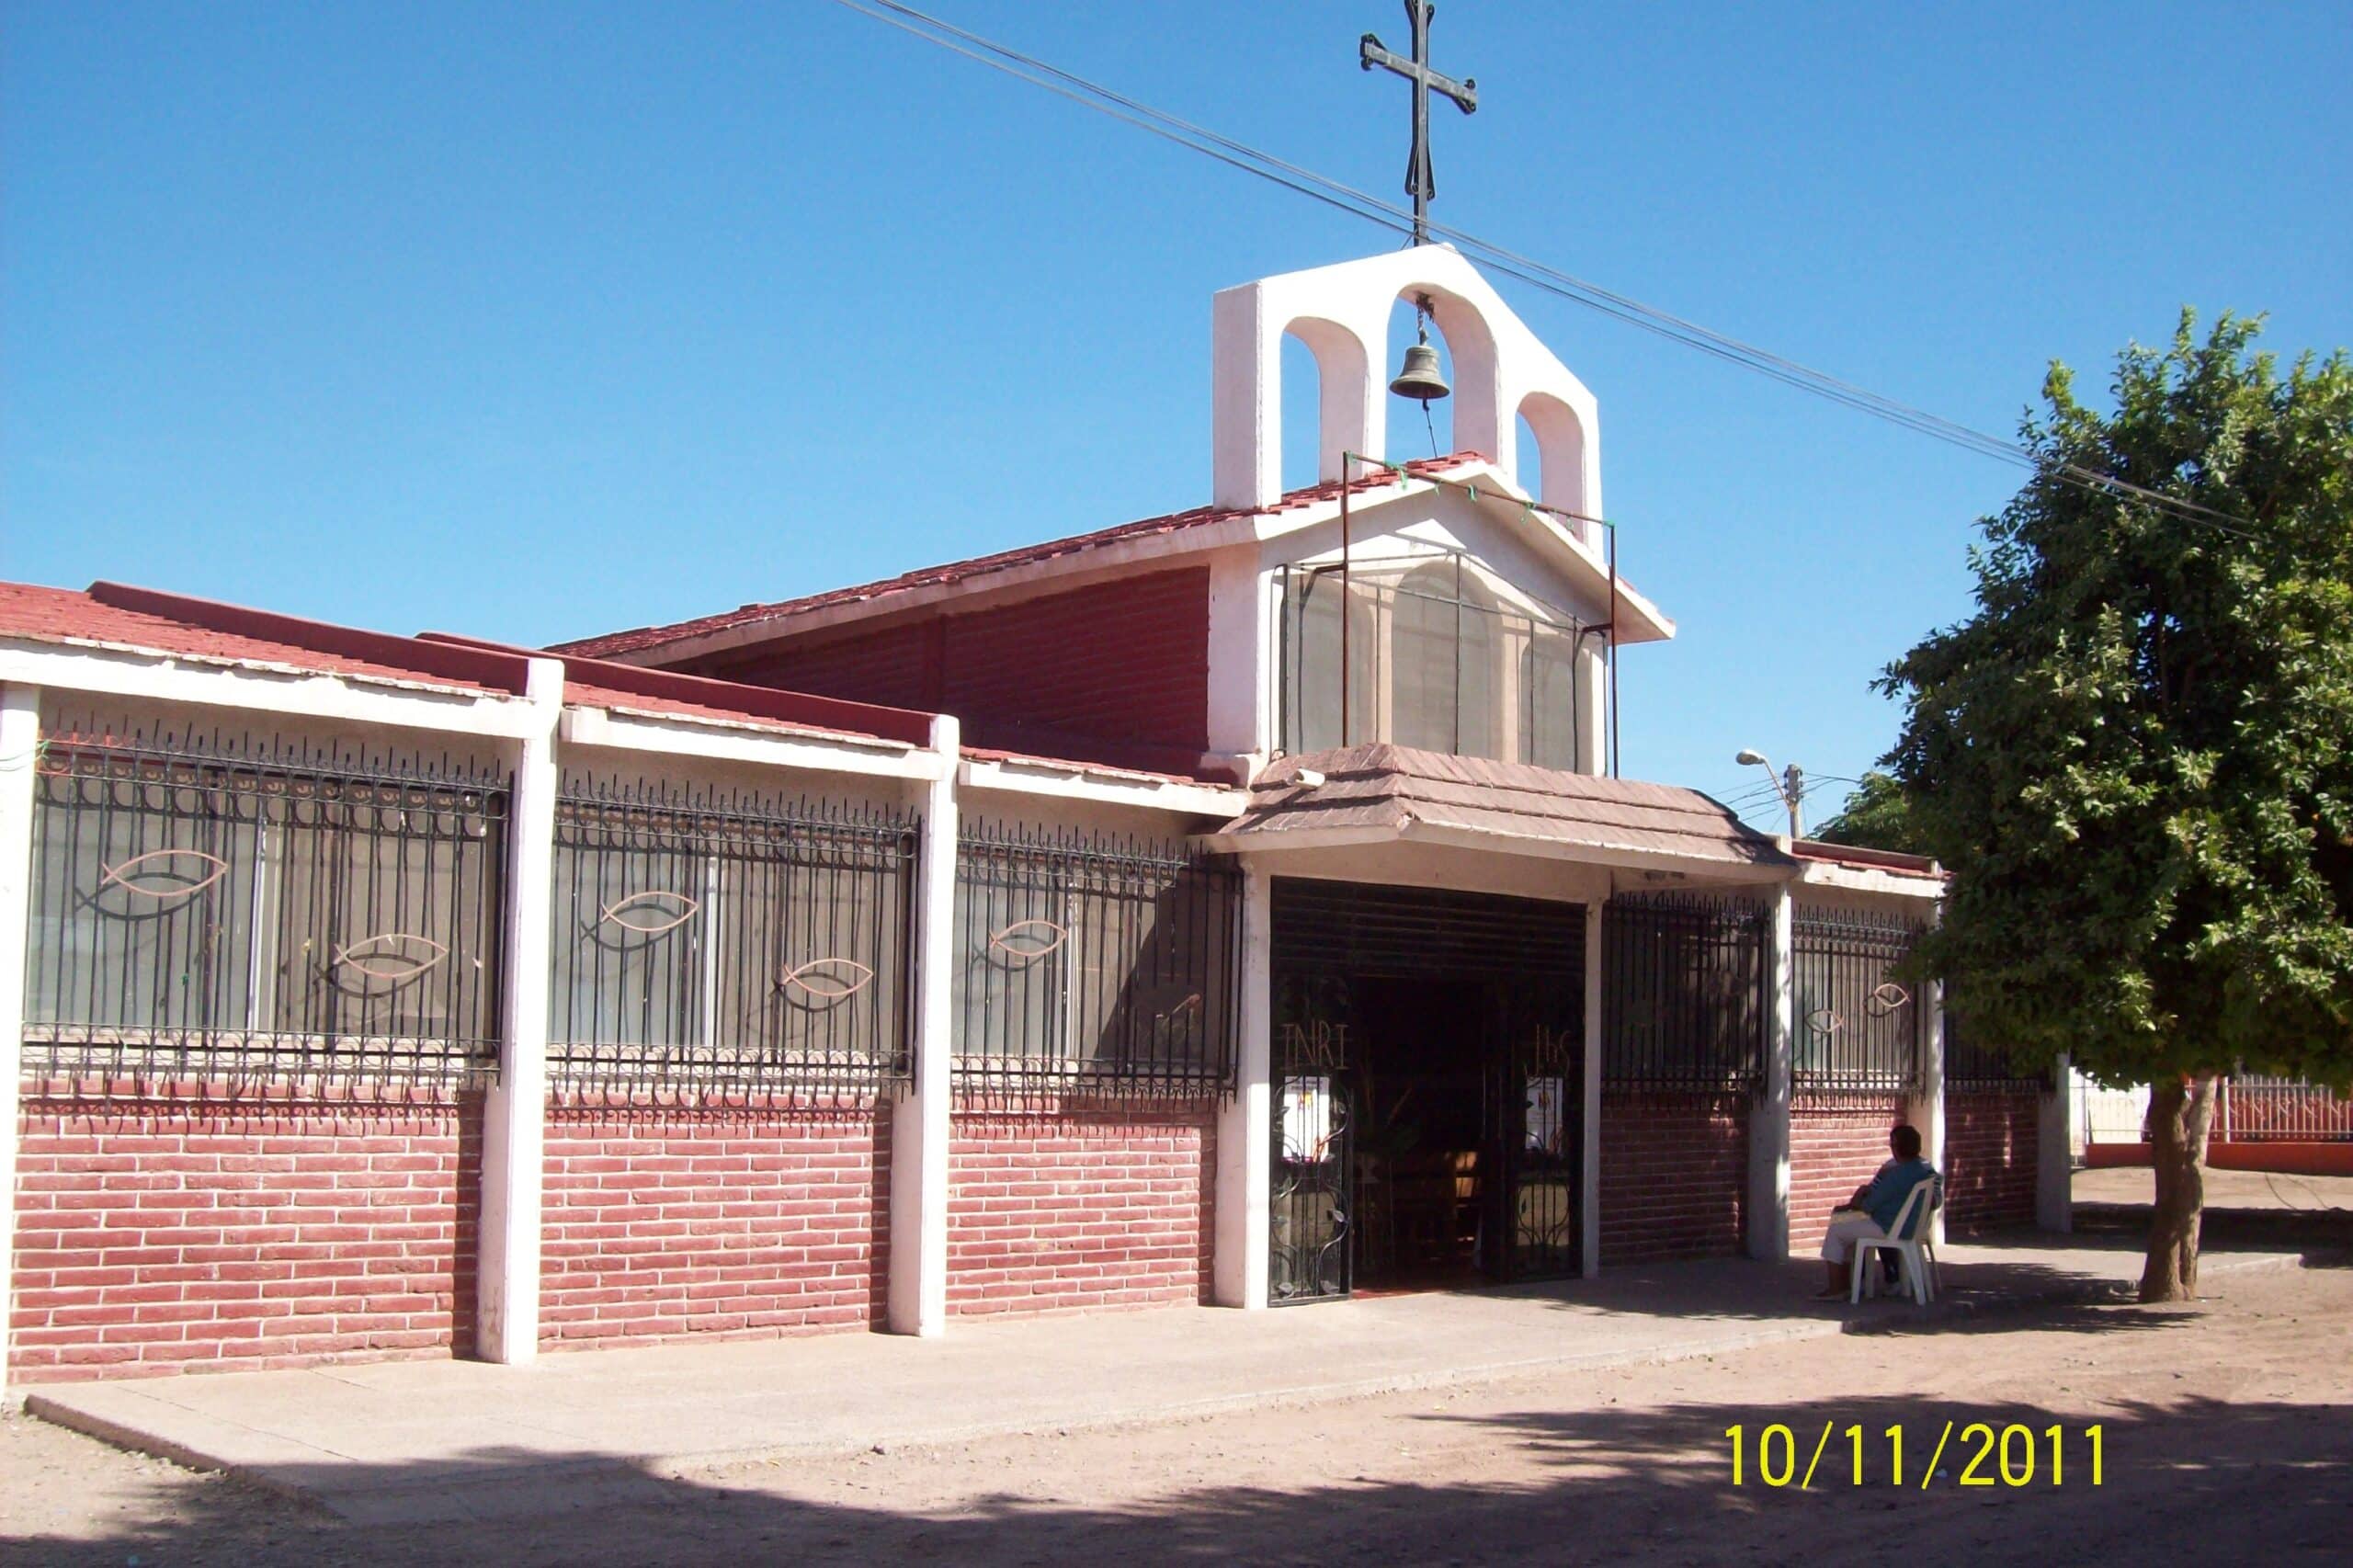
(1420,380)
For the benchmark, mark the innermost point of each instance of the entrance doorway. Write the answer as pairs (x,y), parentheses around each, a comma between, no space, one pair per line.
(1428,1055)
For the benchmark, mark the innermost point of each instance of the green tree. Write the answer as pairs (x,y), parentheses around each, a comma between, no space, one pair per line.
(1877,816)
(2136,757)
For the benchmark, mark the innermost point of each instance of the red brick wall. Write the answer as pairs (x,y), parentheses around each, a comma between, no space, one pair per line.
(744,1220)
(1991,1154)
(1123,664)
(1075,1209)
(1673,1175)
(1835,1142)
(162,1234)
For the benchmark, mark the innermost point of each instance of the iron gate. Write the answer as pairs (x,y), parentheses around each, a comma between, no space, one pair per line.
(1531,954)
(1309,1190)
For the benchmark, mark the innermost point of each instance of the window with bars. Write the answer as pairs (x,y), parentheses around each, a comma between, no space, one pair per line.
(1437,653)
(1687,997)
(733,941)
(1090,962)
(1856,1024)
(233,910)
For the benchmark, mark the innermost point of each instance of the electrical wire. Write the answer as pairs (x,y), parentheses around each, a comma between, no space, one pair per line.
(1371,208)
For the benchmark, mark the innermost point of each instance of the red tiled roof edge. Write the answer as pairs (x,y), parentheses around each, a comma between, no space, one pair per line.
(1861,858)
(639,639)
(481,667)
(903,724)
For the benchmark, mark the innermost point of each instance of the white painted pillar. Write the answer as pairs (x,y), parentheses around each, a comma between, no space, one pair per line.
(19,747)
(1925,1108)
(1768,1117)
(920,1129)
(1589,1100)
(1238,1260)
(515,1110)
(2055,1162)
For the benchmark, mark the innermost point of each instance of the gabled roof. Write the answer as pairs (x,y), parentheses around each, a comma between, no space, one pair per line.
(643,639)
(1388,791)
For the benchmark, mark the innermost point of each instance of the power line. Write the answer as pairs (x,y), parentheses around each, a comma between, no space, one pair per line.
(1361,204)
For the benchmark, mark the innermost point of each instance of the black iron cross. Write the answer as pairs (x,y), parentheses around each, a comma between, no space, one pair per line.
(1420,183)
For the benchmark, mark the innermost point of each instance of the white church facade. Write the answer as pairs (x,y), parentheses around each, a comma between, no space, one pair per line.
(1236,906)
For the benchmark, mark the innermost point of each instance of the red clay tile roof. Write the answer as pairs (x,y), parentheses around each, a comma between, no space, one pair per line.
(111,615)
(645,637)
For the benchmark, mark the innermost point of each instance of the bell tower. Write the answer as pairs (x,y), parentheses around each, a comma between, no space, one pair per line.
(1341,312)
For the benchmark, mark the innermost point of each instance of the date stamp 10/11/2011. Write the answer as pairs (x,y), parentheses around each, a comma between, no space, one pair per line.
(1983,1455)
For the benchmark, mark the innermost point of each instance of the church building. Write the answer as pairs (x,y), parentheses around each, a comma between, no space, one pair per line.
(1239,906)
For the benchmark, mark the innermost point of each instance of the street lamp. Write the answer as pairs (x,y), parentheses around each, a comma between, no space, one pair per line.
(1790,783)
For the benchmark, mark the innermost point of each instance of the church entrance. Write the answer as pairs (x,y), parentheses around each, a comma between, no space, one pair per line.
(1428,1052)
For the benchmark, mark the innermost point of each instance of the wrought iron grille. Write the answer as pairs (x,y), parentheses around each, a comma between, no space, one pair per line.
(1969,1064)
(1686,991)
(1857,1025)
(733,941)
(1435,659)
(232,910)
(1094,963)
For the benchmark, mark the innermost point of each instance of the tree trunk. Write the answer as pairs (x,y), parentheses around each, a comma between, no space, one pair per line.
(2181,1111)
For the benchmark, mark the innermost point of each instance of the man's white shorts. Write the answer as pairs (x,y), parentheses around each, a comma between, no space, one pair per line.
(1838,1246)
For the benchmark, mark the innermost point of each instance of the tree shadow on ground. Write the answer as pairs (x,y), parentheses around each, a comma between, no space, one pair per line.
(2257,1480)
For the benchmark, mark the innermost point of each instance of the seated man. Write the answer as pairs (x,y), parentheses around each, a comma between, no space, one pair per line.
(1874,1207)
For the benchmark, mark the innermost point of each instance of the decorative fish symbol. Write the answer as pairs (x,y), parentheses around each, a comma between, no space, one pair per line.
(828,979)
(1026,941)
(651,912)
(1887,999)
(167,877)
(1825,1021)
(393,956)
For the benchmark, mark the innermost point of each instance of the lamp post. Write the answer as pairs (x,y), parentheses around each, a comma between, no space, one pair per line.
(1790,783)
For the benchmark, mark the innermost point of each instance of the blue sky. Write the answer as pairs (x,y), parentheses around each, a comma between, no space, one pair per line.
(535,321)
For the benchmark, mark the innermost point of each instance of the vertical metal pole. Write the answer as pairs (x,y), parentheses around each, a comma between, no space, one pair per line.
(1612,536)
(19,750)
(1589,1098)
(1348,592)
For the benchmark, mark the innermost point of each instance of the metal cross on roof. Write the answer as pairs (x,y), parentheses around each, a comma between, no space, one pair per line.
(1420,183)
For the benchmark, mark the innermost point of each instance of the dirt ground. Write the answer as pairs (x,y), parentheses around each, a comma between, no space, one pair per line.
(2228,1436)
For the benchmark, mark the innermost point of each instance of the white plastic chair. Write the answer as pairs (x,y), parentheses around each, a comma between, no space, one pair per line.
(1916,1254)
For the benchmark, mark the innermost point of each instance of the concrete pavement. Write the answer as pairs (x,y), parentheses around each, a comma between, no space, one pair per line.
(415,1441)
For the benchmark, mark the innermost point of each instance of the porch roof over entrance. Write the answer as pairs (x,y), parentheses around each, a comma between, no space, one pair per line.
(1376,792)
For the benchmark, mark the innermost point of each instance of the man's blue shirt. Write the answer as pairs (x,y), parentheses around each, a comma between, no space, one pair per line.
(1890,1186)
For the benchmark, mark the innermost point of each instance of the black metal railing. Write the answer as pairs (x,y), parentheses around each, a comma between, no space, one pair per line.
(1687,992)
(1434,659)
(1087,962)
(1969,1064)
(229,908)
(729,941)
(1857,1025)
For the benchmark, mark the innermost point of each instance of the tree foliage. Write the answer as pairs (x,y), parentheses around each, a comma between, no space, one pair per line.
(1877,816)
(2136,757)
